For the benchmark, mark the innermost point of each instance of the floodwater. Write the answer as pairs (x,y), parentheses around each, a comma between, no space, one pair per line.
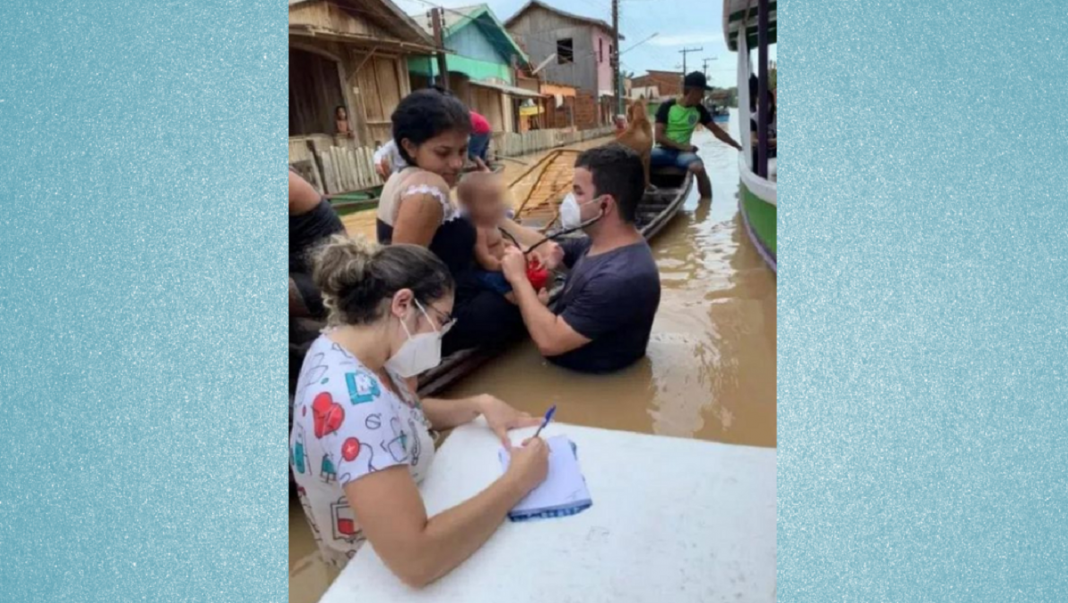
(711,363)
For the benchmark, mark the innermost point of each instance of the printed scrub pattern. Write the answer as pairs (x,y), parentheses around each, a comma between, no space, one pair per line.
(346,425)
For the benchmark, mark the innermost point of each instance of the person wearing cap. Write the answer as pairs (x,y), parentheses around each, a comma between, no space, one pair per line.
(675,122)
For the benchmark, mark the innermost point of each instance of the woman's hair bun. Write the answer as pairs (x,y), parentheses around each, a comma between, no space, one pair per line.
(355,276)
(343,263)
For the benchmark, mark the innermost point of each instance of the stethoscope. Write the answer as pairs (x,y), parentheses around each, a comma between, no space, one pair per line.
(553,236)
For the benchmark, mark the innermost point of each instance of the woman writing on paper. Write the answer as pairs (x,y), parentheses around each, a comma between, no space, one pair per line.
(361,440)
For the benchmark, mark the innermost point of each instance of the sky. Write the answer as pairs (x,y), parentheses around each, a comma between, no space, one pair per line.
(701,28)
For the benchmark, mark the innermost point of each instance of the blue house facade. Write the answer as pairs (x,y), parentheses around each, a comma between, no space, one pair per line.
(481,60)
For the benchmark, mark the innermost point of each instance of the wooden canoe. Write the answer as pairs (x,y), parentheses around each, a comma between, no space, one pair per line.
(538,207)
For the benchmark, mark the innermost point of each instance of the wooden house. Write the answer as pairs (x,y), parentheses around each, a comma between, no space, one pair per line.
(349,53)
(577,51)
(483,64)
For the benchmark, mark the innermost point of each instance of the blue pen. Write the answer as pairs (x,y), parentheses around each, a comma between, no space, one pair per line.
(548,417)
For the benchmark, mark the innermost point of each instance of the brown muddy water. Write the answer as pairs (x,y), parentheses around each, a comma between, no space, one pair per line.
(711,363)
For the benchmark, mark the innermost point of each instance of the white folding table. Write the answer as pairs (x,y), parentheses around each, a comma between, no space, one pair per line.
(672,520)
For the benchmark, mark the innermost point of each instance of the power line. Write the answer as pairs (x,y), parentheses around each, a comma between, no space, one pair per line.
(704,64)
(686,51)
(548,37)
(655,34)
(467,17)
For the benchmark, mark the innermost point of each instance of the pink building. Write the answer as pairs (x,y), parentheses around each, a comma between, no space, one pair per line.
(602,41)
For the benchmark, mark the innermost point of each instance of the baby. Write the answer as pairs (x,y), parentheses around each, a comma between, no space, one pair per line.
(482,197)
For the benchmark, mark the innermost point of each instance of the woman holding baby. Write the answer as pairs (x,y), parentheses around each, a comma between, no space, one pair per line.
(431,131)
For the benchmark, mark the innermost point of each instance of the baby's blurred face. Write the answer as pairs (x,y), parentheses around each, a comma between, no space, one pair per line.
(484,202)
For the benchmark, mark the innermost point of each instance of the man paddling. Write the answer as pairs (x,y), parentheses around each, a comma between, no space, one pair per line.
(675,123)
(605,314)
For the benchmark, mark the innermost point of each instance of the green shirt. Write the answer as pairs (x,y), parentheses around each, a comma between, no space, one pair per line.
(680,122)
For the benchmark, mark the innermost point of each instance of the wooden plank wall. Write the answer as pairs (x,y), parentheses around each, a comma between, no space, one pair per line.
(381,83)
(539,29)
(376,80)
(314,93)
(488,102)
(330,16)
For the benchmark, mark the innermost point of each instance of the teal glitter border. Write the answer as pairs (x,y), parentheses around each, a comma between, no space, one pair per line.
(921,335)
(142,296)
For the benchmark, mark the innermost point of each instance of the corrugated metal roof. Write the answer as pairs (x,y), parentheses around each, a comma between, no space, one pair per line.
(507,89)
(386,15)
(459,16)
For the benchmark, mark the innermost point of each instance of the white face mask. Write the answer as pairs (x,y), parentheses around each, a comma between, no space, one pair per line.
(420,353)
(571,214)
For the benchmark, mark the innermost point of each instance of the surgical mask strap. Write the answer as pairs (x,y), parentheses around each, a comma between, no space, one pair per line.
(428,319)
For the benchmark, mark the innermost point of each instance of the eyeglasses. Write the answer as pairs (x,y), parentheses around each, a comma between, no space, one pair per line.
(446,321)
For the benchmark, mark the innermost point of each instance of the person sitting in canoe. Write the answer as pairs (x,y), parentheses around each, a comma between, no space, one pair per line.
(604,316)
(430,130)
(311,221)
(481,197)
(675,123)
(361,439)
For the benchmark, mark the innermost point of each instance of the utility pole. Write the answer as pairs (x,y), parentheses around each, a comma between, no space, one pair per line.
(684,52)
(443,73)
(704,64)
(617,80)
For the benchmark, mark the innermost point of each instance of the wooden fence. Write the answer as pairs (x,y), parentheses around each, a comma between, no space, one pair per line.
(511,144)
(350,168)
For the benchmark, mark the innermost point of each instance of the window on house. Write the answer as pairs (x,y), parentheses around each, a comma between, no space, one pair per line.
(565,51)
(600,50)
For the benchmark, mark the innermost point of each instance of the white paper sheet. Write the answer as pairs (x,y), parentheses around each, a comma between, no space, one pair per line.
(563,488)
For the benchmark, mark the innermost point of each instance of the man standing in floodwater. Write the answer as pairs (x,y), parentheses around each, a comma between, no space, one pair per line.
(603,319)
(675,123)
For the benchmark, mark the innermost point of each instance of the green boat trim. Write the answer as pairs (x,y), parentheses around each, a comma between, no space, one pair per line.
(760,224)
(356,201)
(348,209)
(370,195)
(758,202)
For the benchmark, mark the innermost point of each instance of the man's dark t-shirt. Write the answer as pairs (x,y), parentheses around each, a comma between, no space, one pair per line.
(610,299)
